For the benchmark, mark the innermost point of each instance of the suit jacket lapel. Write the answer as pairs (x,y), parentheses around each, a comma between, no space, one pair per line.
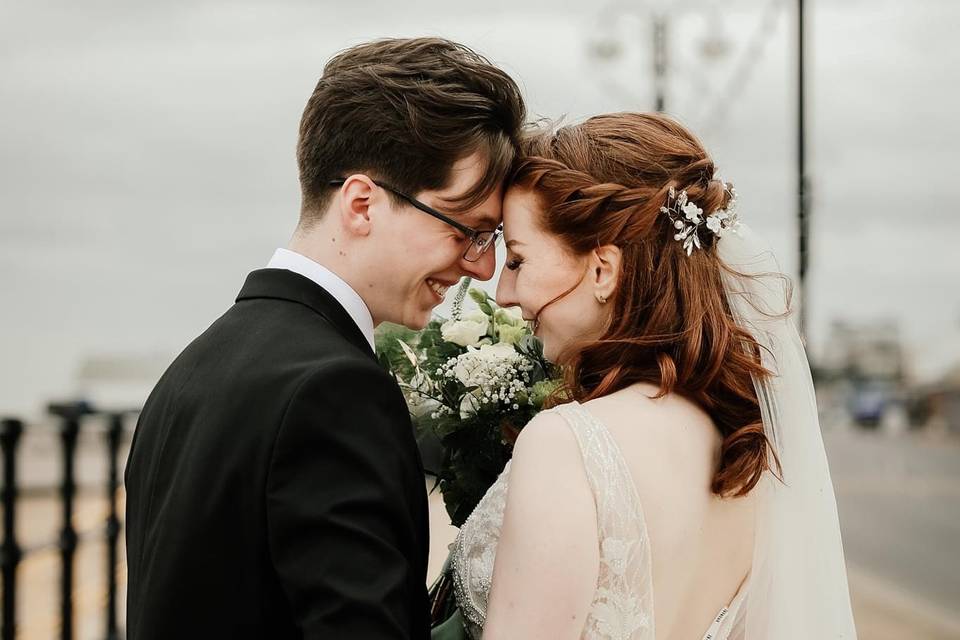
(280,284)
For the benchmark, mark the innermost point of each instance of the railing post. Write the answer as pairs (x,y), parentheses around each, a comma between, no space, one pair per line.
(10,431)
(70,415)
(114,433)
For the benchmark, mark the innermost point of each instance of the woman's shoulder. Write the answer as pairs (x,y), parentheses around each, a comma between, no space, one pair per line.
(548,459)
(636,411)
(547,483)
(546,438)
(661,440)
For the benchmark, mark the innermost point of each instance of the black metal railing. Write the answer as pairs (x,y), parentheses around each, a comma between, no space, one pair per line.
(70,418)
(10,431)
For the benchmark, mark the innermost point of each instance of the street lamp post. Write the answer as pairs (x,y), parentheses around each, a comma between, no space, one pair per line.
(660,60)
(803,182)
(615,39)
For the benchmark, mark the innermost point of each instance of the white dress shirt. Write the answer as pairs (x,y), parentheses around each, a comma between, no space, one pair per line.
(348,298)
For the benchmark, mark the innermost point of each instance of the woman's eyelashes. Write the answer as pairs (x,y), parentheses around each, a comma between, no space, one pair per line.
(514,263)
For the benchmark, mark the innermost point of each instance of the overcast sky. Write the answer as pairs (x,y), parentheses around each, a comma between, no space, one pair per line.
(146,150)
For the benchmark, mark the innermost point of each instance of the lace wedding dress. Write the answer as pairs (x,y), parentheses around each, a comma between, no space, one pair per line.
(799,576)
(622,607)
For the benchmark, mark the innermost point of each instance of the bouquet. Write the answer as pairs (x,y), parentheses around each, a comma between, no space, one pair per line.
(472,381)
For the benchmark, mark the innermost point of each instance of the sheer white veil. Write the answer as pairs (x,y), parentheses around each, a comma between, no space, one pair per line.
(798,583)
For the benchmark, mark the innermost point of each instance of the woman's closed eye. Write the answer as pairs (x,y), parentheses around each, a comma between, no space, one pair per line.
(514,264)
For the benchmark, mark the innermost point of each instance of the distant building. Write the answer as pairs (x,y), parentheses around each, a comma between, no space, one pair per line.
(938,404)
(867,361)
(864,351)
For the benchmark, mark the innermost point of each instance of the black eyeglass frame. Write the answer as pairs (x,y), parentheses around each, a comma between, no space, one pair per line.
(474,235)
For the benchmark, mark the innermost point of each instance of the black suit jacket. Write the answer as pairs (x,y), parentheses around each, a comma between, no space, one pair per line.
(274,487)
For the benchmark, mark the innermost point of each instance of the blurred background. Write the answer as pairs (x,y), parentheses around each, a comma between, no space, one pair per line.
(147,164)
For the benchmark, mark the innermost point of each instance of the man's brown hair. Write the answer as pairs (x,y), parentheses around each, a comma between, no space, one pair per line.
(404,110)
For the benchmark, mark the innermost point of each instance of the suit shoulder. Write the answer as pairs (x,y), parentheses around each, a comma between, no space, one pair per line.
(348,365)
(347,375)
(344,399)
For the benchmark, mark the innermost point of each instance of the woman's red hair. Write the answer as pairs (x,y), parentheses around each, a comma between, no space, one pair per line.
(603,182)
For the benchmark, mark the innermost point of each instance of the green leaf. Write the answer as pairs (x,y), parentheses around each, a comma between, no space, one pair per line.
(408,352)
(479,296)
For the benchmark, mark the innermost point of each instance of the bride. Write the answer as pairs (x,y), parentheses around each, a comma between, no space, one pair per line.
(679,488)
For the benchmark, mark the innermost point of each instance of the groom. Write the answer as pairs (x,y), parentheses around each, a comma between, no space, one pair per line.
(274,489)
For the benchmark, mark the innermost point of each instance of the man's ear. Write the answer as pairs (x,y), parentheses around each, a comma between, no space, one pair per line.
(353,204)
(605,270)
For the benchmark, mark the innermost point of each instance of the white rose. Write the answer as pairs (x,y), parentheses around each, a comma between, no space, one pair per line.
(511,335)
(471,366)
(511,316)
(500,351)
(466,332)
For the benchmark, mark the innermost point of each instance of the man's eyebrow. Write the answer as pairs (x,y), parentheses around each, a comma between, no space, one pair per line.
(486,223)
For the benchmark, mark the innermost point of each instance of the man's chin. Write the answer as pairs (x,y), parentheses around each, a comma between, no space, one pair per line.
(418,322)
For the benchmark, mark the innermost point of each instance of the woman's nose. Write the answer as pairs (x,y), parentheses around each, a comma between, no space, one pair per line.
(506,294)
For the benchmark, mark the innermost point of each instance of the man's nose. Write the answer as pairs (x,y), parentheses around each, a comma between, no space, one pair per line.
(483,268)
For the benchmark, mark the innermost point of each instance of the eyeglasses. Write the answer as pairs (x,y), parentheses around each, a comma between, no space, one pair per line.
(480,239)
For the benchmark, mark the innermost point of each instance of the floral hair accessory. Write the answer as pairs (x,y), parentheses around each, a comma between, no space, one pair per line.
(688,218)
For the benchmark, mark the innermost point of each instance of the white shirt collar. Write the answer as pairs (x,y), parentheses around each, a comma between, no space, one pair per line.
(332,283)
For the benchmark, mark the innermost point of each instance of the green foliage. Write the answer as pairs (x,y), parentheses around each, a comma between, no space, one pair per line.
(475,426)
(387,337)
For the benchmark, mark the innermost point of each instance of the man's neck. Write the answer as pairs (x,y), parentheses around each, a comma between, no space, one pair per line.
(327,249)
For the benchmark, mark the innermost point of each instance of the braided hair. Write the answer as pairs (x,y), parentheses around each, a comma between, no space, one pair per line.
(603,182)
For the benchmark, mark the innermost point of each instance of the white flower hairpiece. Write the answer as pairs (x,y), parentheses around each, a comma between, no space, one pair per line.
(688,218)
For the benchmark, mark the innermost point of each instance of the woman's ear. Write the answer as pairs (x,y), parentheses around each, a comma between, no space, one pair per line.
(605,266)
(354,199)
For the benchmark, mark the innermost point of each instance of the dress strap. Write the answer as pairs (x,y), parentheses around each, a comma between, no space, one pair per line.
(606,468)
(624,597)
